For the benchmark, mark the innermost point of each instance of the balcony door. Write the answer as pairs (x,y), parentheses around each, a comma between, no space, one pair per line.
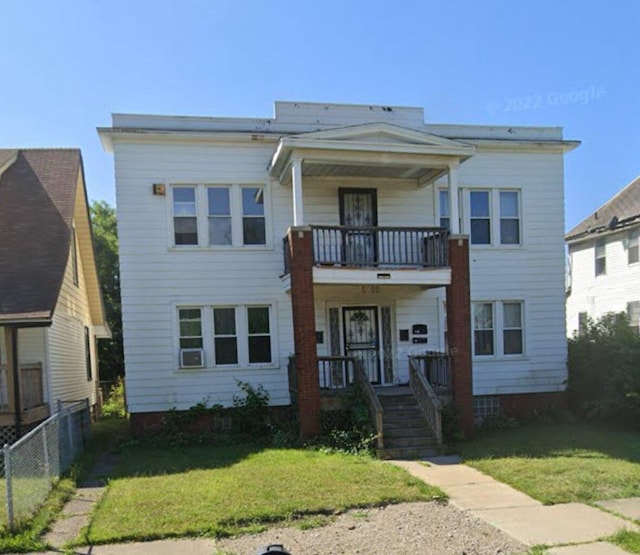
(359,209)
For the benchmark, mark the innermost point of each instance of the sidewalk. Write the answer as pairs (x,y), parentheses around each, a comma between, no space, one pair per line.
(524,518)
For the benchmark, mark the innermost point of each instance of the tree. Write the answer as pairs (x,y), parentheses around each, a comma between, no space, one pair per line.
(105,237)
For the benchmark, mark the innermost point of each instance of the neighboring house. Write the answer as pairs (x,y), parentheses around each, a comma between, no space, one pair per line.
(604,261)
(323,232)
(50,301)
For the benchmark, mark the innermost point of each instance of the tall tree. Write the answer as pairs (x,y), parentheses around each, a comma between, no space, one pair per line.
(105,236)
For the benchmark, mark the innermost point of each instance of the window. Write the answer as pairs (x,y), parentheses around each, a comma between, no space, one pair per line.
(219,215)
(480,223)
(633,312)
(239,335)
(444,208)
(498,328)
(253,225)
(483,329)
(74,257)
(185,225)
(259,338)
(87,353)
(509,218)
(583,322)
(512,328)
(601,257)
(224,336)
(632,246)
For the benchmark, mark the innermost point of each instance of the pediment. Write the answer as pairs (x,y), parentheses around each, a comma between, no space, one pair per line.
(379,133)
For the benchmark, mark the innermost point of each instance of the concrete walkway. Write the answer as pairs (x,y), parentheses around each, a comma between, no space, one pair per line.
(524,518)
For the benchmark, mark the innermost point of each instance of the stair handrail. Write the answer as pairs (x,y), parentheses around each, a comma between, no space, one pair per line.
(427,399)
(376,412)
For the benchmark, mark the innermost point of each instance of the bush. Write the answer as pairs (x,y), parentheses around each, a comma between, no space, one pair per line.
(604,370)
(115,404)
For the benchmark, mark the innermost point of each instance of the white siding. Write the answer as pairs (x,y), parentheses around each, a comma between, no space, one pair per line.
(533,272)
(157,278)
(609,292)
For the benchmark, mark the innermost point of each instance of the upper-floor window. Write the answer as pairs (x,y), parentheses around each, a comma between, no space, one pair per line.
(443,201)
(74,258)
(583,323)
(498,328)
(633,312)
(480,217)
(185,224)
(601,257)
(632,246)
(509,218)
(219,215)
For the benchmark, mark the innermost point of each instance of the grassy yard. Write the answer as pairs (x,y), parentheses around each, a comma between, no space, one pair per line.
(217,491)
(560,462)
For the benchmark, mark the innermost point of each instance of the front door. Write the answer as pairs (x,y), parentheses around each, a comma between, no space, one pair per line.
(361,338)
(358,209)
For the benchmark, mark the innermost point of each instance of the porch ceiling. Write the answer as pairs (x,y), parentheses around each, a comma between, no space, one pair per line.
(375,150)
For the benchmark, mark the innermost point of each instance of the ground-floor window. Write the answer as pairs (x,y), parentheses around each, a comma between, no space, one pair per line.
(498,328)
(237,335)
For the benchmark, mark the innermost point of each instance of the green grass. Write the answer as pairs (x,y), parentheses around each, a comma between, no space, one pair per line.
(219,491)
(560,462)
(629,541)
(29,533)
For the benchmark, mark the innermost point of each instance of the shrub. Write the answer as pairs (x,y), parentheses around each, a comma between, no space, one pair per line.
(115,404)
(604,370)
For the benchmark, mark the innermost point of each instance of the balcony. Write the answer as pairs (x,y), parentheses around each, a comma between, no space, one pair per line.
(375,255)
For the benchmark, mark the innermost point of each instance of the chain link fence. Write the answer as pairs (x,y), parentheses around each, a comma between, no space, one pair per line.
(32,465)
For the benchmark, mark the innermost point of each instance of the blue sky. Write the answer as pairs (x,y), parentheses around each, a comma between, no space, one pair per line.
(67,65)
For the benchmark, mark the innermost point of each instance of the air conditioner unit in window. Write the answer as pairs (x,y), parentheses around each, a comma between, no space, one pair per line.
(191,358)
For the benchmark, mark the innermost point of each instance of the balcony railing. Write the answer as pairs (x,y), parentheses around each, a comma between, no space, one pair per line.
(376,247)
(436,368)
(420,247)
(31,391)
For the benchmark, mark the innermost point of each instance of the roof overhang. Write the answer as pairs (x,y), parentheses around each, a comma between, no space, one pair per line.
(372,150)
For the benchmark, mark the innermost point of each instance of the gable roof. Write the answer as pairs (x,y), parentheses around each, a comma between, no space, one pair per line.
(620,211)
(37,201)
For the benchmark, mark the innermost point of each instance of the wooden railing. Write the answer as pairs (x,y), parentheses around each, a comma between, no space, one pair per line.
(335,372)
(422,247)
(31,390)
(427,399)
(436,367)
(375,247)
(376,413)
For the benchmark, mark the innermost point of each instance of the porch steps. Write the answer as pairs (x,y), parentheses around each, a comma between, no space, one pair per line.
(407,434)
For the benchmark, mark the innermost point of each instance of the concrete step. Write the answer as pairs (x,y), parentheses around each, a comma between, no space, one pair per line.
(408,453)
(418,431)
(411,441)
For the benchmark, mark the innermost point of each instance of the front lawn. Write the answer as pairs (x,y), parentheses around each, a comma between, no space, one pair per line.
(217,491)
(560,462)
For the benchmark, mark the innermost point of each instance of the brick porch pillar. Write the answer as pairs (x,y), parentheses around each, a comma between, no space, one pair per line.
(459,330)
(304,330)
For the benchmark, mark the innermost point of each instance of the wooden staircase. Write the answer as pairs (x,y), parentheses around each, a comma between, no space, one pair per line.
(407,434)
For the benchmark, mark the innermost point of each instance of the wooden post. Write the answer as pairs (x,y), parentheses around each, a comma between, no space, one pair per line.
(13,376)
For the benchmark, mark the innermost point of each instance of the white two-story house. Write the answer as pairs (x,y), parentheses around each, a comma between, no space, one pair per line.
(341,241)
(604,261)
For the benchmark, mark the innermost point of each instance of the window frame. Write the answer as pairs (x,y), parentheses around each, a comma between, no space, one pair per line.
(499,328)
(174,216)
(488,218)
(241,320)
(633,246)
(236,216)
(600,269)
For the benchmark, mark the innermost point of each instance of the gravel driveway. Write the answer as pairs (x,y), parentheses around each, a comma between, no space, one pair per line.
(407,528)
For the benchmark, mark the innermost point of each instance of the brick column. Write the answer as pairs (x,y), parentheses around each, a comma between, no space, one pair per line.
(304,330)
(459,330)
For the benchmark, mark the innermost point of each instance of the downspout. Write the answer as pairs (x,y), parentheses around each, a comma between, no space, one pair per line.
(15,368)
